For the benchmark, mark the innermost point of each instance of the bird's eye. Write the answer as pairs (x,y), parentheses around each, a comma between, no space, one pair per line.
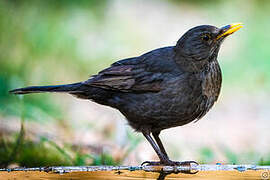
(206,37)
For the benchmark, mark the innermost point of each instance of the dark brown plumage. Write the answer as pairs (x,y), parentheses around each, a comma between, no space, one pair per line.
(164,88)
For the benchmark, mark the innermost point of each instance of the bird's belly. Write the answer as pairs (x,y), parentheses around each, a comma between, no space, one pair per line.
(162,110)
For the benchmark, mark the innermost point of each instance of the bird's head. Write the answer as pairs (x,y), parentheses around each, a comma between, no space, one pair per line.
(202,43)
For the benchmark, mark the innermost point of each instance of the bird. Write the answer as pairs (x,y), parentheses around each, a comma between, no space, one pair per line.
(164,88)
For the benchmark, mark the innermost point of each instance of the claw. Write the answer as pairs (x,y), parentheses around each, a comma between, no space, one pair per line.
(151,163)
(185,163)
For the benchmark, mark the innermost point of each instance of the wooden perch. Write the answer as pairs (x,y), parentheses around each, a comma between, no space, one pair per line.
(132,172)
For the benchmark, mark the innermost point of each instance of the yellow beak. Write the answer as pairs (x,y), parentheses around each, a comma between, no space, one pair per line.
(229,29)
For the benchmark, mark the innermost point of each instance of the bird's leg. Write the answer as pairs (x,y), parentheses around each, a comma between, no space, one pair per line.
(161,152)
(163,158)
(160,145)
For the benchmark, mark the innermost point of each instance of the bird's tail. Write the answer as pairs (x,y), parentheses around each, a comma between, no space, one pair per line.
(67,88)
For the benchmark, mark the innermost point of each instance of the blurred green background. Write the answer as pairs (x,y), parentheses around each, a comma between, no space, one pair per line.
(64,41)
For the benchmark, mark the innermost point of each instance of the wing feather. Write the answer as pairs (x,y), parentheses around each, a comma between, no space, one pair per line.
(126,78)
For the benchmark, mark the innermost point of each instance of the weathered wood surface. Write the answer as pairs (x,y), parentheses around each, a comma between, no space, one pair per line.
(140,172)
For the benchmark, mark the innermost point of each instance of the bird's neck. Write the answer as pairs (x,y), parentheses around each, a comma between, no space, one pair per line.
(190,64)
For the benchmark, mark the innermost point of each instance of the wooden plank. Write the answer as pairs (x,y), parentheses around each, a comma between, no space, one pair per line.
(139,172)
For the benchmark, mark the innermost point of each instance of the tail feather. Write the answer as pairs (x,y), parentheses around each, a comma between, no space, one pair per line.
(68,88)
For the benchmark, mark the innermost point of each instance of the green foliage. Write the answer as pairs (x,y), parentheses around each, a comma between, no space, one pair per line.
(231,156)
(34,38)
(82,159)
(104,159)
(206,155)
(264,161)
(45,152)
(35,155)
(30,154)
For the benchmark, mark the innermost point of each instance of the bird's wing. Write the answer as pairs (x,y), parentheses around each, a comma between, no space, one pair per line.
(127,75)
(139,74)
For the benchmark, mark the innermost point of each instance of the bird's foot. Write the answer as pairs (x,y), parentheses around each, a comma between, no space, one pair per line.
(169,163)
(187,165)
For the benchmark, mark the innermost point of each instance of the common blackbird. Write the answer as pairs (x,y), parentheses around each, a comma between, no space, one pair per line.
(164,88)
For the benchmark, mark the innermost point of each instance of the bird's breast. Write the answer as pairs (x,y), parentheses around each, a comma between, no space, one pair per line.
(211,84)
(211,80)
